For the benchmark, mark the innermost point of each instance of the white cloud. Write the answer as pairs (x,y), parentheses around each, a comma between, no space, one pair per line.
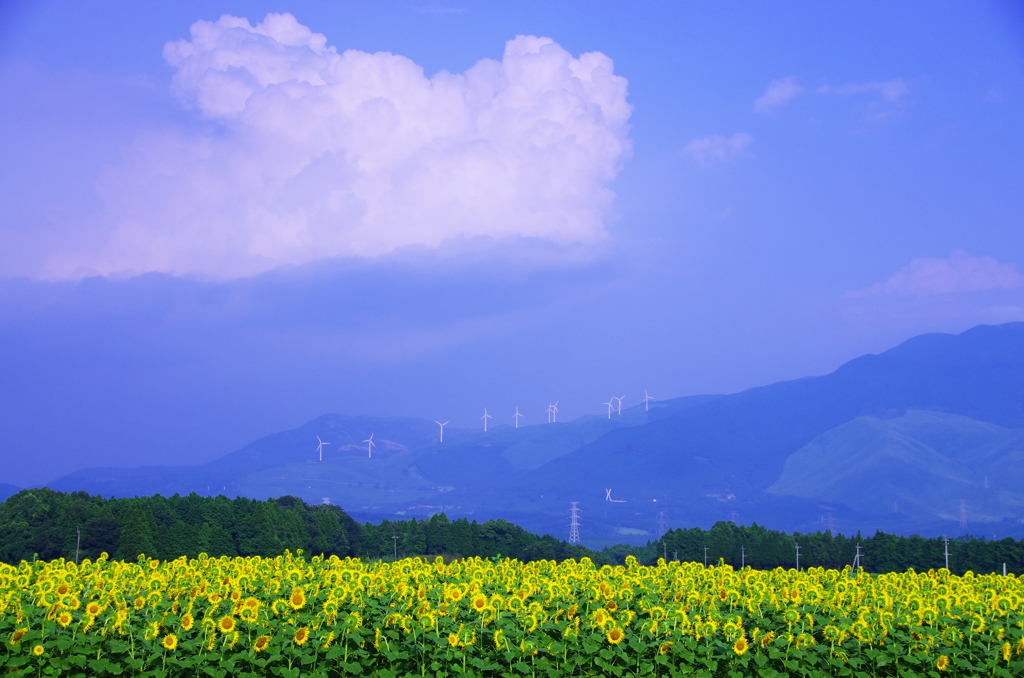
(891,91)
(778,93)
(884,98)
(962,272)
(716,147)
(308,153)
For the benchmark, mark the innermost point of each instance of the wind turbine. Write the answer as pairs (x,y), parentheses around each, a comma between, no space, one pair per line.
(370,445)
(516,416)
(609,404)
(320,448)
(647,399)
(442,429)
(620,399)
(485,418)
(553,413)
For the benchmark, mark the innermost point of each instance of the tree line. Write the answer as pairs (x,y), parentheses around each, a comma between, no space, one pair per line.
(761,548)
(42,523)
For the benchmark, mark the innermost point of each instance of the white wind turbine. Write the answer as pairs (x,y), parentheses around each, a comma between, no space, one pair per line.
(647,400)
(609,404)
(442,429)
(516,416)
(620,399)
(320,448)
(369,446)
(485,418)
(553,413)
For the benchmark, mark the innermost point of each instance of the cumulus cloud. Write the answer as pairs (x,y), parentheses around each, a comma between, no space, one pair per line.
(779,92)
(305,153)
(961,272)
(884,98)
(716,148)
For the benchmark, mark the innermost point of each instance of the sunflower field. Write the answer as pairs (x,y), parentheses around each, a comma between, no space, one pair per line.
(290,616)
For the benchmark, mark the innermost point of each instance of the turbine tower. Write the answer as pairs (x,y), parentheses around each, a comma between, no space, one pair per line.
(320,448)
(369,446)
(620,399)
(553,413)
(574,523)
(609,404)
(647,400)
(516,416)
(442,429)
(485,418)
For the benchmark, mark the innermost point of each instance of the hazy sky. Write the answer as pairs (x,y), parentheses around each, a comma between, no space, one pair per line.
(222,219)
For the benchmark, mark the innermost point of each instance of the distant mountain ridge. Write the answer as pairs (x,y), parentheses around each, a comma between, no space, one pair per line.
(787,454)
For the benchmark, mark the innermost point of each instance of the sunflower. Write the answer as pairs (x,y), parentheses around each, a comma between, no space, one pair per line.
(64,618)
(298,599)
(943,663)
(741,646)
(38,650)
(455,594)
(139,603)
(767,639)
(498,639)
(187,620)
(615,635)
(301,636)
(279,606)
(1007,652)
(611,605)
(226,624)
(665,647)
(261,643)
(92,609)
(170,641)
(453,640)
(479,602)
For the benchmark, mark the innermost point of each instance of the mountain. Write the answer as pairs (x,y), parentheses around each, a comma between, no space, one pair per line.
(6,490)
(916,428)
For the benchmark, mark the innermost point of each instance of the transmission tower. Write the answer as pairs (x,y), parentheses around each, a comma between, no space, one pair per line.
(574,524)
(661,524)
(798,557)
(945,550)
(963,515)
(856,560)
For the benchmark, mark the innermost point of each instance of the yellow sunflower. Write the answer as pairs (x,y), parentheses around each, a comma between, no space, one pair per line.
(261,643)
(741,646)
(92,609)
(38,650)
(226,624)
(187,620)
(943,663)
(301,636)
(298,599)
(64,618)
(615,635)
(479,602)
(665,647)
(170,641)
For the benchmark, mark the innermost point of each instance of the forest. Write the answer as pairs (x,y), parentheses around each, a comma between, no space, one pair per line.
(45,524)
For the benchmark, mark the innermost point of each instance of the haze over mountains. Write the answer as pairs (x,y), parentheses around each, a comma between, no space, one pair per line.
(894,441)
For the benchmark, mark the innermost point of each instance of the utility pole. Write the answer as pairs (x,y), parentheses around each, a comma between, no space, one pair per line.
(798,557)
(945,550)
(395,538)
(705,557)
(664,552)
(574,523)
(78,543)
(743,557)
(856,560)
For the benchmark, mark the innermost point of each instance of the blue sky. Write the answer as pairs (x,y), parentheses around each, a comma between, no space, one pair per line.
(214,229)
